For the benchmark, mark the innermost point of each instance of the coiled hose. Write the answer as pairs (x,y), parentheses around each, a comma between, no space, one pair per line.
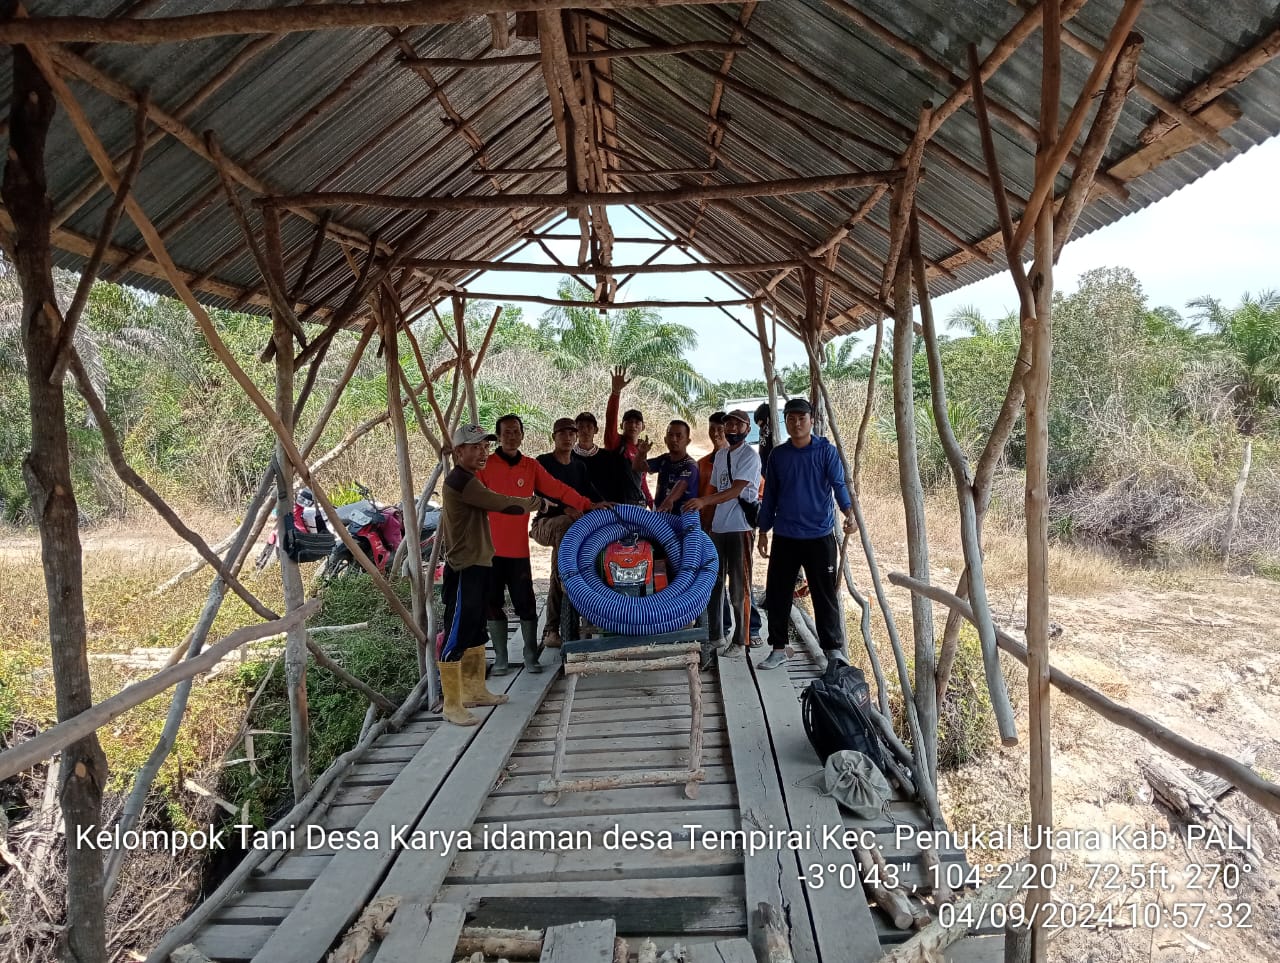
(691,567)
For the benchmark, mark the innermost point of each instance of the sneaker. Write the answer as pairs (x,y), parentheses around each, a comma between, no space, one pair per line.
(774,659)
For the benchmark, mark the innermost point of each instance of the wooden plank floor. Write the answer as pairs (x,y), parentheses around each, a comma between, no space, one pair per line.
(537,865)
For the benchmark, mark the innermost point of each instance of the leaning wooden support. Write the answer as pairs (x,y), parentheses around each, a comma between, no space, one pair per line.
(327,662)
(1261,791)
(210,333)
(913,512)
(329,782)
(43,746)
(970,536)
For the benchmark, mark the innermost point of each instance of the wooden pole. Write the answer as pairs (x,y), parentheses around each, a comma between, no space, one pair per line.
(710,193)
(47,473)
(89,720)
(1261,791)
(210,333)
(913,510)
(292,19)
(404,467)
(1036,389)
(970,537)
(465,369)
(615,53)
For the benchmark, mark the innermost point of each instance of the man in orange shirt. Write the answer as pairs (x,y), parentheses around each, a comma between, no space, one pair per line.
(509,472)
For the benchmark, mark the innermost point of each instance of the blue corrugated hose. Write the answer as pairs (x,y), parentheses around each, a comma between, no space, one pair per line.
(691,570)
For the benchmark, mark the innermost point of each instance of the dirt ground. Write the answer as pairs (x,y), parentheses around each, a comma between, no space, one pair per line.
(1193,649)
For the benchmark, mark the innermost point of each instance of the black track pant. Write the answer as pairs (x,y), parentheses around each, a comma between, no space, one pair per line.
(818,558)
(465,593)
(512,575)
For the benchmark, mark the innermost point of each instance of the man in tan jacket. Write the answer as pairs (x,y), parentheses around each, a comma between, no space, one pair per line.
(468,567)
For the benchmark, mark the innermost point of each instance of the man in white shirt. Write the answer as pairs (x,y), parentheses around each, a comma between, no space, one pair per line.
(735,478)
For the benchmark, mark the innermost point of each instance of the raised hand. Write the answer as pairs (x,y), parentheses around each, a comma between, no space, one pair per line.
(620,379)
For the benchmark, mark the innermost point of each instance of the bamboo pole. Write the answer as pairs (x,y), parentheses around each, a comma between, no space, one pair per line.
(970,536)
(1264,792)
(42,746)
(574,199)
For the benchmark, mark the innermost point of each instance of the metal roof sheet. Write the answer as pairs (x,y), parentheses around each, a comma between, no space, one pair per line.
(293,116)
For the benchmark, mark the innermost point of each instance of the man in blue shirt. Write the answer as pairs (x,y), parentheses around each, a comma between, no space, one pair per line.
(677,471)
(803,475)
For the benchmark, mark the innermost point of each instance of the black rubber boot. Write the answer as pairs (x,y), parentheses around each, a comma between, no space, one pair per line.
(529,629)
(498,636)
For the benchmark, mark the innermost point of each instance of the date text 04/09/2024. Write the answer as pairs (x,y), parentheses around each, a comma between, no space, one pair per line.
(1144,914)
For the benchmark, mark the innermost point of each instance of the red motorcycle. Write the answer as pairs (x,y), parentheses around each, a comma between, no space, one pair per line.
(378,529)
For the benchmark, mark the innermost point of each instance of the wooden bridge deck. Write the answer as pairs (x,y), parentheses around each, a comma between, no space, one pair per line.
(483,781)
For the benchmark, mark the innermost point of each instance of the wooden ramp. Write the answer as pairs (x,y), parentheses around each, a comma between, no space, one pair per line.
(452,824)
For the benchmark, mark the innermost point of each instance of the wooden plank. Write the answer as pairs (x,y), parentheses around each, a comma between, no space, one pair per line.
(425,935)
(230,943)
(523,785)
(631,680)
(733,951)
(608,801)
(588,942)
(604,729)
(655,907)
(637,714)
(711,820)
(418,874)
(635,741)
(584,863)
(335,899)
(841,919)
(608,762)
(390,754)
(770,877)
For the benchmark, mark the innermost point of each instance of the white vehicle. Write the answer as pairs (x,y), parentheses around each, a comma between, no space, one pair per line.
(749,405)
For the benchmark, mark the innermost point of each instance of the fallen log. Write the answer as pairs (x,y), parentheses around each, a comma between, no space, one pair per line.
(1193,805)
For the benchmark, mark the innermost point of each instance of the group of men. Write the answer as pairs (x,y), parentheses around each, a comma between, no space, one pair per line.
(488,499)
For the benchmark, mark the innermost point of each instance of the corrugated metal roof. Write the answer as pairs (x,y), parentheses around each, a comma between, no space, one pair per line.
(387,132)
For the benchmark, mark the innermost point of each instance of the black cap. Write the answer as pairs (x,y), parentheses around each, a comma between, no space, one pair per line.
(800,405)
(632,414)
(762,414)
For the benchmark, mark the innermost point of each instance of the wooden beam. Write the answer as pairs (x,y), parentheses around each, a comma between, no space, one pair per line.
(82,70)
(715,192)
(613,53)
(743,267)
(604,305)
(1075,120)
(223,23)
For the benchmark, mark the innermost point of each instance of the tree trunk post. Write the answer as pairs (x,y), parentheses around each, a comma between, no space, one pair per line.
(1237,496)
(295,648)
(904,416)
(1037,485)
(47,472)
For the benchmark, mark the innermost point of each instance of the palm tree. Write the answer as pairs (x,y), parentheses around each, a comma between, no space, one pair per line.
(651,350)
(1247,341)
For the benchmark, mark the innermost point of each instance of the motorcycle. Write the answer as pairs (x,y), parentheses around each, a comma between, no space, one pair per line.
(308,539)
(378,529)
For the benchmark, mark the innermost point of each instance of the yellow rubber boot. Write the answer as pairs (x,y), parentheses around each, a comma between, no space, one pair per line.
(451,684)
(474,691)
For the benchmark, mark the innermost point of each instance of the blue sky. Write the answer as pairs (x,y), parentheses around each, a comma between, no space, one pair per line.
(1219,237)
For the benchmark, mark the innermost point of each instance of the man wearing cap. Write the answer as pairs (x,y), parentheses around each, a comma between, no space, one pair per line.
(625,442)
(803,476)
(468,567)
(735,475)
(609,472)
(509,472)
(549,525)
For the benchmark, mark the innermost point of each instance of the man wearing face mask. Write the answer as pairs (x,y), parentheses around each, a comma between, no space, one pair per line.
(509,472)
(735,475)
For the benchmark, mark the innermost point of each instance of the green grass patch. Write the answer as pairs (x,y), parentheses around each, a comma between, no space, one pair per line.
(384,655)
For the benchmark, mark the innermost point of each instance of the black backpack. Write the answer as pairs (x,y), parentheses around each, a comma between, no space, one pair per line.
(835,708)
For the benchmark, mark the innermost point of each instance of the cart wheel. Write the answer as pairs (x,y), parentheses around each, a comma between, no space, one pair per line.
(569,623)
